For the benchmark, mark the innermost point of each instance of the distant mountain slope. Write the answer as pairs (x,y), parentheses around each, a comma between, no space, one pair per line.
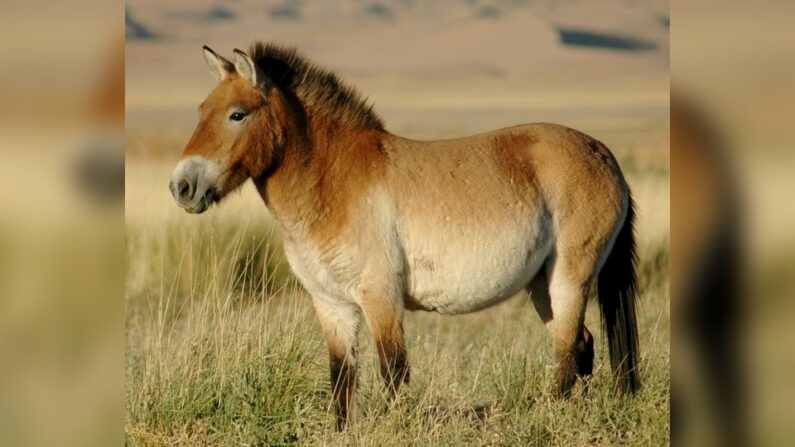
(440,38)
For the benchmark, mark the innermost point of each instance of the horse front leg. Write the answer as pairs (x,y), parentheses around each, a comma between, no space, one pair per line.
(340,323)
(383,311)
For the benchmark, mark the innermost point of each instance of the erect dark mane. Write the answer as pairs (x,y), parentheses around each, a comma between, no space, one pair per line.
(314,86)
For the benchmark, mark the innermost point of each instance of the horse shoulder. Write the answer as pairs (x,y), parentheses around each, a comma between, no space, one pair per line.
(350,226)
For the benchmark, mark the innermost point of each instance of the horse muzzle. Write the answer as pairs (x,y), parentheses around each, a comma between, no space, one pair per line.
(193,188)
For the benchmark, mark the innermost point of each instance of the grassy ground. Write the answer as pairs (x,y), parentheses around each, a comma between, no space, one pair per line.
(223,347)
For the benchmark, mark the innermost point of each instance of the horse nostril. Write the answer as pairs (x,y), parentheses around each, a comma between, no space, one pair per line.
(210,194)
(184,190)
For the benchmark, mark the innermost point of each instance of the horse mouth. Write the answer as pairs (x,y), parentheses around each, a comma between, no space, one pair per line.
(200,207)
(203,204)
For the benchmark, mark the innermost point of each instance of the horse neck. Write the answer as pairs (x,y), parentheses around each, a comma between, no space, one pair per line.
(318,166)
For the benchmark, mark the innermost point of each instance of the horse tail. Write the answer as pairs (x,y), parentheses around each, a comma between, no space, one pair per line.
(617,287)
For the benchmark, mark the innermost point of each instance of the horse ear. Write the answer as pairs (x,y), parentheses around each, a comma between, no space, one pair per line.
(246,68)
(219,66)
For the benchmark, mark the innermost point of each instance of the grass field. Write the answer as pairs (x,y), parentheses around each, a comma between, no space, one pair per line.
(223,347)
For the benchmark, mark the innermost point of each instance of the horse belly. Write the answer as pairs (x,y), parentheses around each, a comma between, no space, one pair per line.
(468,274)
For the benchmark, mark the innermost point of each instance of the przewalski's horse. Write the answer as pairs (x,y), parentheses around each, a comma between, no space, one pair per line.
(375,223)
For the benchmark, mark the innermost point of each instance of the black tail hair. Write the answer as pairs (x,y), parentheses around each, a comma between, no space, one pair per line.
(617,287)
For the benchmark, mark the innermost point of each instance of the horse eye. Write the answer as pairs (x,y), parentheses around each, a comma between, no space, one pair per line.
(237,116)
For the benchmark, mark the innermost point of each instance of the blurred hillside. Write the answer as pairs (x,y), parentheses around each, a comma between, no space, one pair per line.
(432,68)
(439,38)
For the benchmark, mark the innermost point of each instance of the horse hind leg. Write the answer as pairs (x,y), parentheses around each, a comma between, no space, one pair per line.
(583,353)
(560,301)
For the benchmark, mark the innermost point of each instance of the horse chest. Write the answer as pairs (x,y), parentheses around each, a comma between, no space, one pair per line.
(321,272)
